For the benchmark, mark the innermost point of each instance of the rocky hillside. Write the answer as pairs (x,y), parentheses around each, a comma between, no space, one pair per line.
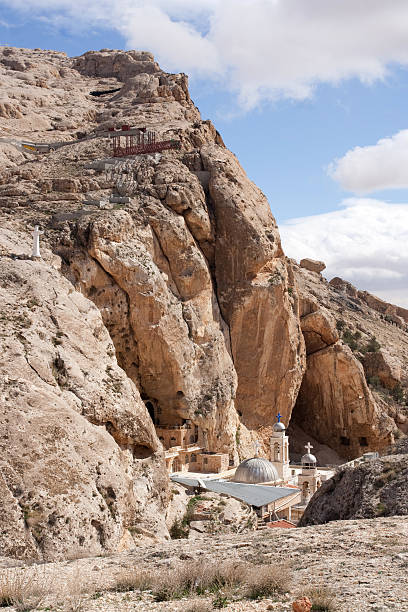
(163,295)
(369,489)
(357,364)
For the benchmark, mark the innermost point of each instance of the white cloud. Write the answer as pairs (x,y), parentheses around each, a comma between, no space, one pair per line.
(365,243)
(263,49)
(380,166)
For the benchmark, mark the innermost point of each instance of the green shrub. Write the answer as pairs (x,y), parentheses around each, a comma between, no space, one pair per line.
(178,530)
(373,346)
(375,382)
(398,393)
(349,339)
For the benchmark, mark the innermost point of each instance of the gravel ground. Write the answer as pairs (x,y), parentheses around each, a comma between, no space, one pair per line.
(365,563)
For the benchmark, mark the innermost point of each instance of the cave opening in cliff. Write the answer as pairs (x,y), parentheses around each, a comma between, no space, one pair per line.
(103,92)
(151,411)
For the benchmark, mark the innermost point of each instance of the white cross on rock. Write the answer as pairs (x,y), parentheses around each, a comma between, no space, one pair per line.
(36,241)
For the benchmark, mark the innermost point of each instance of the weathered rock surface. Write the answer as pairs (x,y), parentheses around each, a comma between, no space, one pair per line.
(187,273)
(80,461)
(373,488)
(334,404)
(395,313)
(312,265)
(382,365)
(254,286)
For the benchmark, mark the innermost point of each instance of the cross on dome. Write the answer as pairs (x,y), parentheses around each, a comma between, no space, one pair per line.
(279,416)
(308,447)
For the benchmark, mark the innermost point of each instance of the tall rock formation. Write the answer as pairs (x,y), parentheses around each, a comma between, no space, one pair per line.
(170,301)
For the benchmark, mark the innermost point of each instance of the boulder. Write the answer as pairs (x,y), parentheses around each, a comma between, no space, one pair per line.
(312,265)
(319,330)
(383,366)
(303,604)
(344,286)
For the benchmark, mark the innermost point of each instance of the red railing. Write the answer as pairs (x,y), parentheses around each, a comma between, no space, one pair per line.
(138,142)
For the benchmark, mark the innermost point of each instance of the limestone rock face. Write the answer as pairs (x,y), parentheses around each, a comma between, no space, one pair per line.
(382,365)
(392,313)
(175,333)
(255,289)
(172,302)
(121,64)
(335,404)
(80,462)
(312,265)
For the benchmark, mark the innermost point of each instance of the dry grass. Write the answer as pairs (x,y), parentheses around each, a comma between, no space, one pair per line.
(322,598)
(133,579)
(267,580)
(199,606)
(23,589)
(75,591)
(204,578)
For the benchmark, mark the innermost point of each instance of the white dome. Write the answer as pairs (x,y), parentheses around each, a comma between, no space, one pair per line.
(255,470)
(308,458)
(279,427)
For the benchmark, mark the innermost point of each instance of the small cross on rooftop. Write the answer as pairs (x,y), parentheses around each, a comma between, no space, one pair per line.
(257,447)
(279,416)
(308,447)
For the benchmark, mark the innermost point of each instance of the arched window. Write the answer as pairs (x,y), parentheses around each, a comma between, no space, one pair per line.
(276,452)
(193,458)
(173,441)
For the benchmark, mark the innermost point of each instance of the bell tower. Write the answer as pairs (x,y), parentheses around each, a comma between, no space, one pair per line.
(280,449)
(309,479)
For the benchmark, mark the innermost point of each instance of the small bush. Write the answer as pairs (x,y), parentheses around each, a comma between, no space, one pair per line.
(322,598)
(380,509)
(373,346)
(266,580)
(178,530)
(24,590)
(220,602)
(375,382)
(349,339)
(133,580)
(340,325)
(398,393)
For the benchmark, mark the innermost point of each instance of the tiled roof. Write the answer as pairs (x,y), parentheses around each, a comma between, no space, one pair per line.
(283,523)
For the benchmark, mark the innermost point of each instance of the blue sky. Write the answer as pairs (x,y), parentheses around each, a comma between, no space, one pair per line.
(289,96)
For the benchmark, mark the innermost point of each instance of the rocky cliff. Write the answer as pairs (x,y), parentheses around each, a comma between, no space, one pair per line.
(163,295)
